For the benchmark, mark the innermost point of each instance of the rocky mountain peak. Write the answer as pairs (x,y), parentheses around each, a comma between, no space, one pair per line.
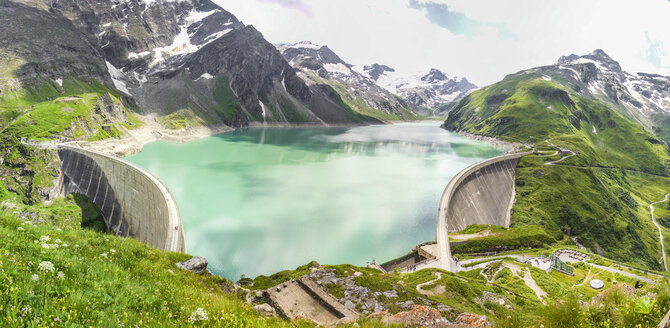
(320,53)
(434,75)
(376,70)
(597,56)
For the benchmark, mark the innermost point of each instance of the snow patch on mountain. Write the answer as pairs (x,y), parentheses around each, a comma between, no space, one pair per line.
(117,78)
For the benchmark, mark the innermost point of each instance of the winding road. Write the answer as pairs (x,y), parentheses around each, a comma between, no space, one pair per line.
(660,231)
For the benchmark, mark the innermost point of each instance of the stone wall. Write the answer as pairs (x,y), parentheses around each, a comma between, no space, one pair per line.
(134,203)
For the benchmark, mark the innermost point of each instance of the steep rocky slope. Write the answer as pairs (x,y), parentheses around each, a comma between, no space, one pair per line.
(317,64)
(164,56)
(432,94)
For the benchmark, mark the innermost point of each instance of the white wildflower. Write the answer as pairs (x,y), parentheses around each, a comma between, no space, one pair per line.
(46,266)
(60,275)
(45,238)
(103,255)
(198,314)
(26,310)
(46,246)
(58,241)
(35,277)
(111,250)
(65,245)
(20,229)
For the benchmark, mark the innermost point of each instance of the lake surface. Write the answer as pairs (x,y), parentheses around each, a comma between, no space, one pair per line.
(257,201)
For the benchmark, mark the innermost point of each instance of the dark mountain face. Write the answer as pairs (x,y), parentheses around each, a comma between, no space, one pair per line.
(37,44)
(167,56)
(434,75)
(376,70)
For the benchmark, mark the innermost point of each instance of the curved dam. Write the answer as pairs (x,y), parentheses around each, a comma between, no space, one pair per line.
(133,202)
(482,193)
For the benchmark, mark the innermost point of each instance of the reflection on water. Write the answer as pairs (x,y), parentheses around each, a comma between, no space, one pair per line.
(257,201)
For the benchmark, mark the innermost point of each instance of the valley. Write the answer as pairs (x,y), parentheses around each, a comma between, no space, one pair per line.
(163,163)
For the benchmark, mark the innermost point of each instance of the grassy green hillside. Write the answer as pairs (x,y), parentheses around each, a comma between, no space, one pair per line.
(601,195)
(75,110)
(53,272)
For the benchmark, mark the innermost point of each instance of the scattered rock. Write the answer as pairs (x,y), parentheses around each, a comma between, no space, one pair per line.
(265,309)
(196,264)
(471,320)
(419,316)
(390,294)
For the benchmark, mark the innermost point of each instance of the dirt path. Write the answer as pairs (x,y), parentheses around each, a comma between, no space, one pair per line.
(587,277)
(481,234)
(419,287)
(527,279)
(660,232)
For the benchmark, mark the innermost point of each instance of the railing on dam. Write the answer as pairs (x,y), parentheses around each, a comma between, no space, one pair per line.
(134,203)
(482,193)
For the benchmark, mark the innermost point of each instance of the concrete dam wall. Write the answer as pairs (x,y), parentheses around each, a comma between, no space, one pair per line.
(482,193)
(134,203)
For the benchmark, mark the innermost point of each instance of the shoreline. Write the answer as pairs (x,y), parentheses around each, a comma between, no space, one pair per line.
(508,146)
(133,141)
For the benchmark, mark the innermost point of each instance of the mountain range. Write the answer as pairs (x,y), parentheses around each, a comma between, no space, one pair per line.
(432,94)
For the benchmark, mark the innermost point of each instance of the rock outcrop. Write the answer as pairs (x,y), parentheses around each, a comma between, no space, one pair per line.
(196,264)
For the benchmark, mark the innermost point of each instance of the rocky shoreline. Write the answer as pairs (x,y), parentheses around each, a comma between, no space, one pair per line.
(509,146)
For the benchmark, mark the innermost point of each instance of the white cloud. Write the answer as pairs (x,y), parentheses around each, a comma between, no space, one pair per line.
(389,32)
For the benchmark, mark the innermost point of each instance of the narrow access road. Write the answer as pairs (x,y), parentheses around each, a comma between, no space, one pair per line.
(623,273)
(660,231)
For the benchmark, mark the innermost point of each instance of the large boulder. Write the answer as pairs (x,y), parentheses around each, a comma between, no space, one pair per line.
(196,264)
(265,309)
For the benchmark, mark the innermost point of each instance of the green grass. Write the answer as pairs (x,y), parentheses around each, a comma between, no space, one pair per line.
(225,97)
(181,119)
(106,280)
(515,238)
(601,195)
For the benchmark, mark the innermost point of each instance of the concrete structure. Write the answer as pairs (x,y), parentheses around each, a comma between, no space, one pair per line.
(482,193)
(134,203)
(304,298)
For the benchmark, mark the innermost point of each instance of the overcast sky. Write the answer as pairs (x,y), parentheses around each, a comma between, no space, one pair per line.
(482,40)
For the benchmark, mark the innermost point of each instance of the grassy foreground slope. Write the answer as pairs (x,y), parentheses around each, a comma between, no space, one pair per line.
(55,273)
(101,280)
(600,196)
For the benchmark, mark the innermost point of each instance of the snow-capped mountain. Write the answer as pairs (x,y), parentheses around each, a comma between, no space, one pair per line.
(319,65)
(642,97)
(431,94)
(165,56)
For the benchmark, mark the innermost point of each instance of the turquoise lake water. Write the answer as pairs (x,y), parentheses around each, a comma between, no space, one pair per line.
(257,201)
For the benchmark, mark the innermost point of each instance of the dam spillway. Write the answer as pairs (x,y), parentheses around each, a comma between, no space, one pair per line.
(133,202)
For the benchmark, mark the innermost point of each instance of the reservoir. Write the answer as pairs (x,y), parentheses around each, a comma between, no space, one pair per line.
(261,200)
